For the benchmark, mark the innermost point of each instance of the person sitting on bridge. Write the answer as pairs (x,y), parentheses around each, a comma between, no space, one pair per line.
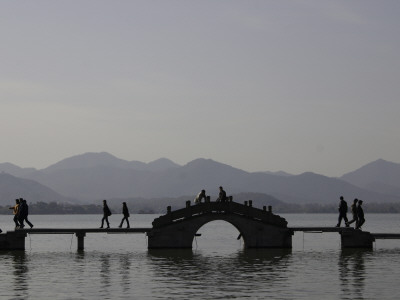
(200,196)
(360,215)
(354,213)
(15,209)
(222,195)
(125,212)
(106,214)
(342,212)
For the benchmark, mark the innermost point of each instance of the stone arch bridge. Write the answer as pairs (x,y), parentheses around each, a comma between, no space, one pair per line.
(259,228)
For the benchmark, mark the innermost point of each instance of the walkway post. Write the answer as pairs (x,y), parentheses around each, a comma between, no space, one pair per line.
(80,237)
(356,239)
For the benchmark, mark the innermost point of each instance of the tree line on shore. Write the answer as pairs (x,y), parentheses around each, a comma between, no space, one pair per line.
(43,208)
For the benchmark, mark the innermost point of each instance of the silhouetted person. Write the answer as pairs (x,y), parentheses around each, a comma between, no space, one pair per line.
(360,215)
(125,212)
(222,195)
(106,214)
(23,213)
(15,209)
(342,211)
(200,196)
(354,213)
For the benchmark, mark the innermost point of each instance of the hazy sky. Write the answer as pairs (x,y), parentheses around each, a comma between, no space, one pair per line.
(301,85)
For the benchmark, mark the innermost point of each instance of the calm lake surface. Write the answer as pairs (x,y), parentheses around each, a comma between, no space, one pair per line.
(119,266)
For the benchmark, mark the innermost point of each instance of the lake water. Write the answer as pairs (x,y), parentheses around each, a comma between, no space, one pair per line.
(119,266)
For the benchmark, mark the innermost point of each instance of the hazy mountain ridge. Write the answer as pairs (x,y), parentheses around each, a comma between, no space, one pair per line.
(278,173)
(94,176)
(95,182)
(12,187)
(15,170)
(91,159)
(380,176)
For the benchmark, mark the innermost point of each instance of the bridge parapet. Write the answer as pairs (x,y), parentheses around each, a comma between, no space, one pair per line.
(246,210)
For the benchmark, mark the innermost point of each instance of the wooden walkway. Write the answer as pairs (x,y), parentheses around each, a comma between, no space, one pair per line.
(350,237)
(386,236)
(321,229)
(391,236)
(81,232)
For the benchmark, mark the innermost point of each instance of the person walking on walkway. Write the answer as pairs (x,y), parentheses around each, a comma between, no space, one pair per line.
(23,214)
(354,213)
(125,212)
(106,214)
(342,212)
(360,215)
(15,209)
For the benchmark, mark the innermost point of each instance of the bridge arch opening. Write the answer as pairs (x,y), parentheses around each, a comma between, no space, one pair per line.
(218,234)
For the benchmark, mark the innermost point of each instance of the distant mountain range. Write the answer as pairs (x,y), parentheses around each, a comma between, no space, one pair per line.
(380,176)
(104,159)
(12,187)
(94,176)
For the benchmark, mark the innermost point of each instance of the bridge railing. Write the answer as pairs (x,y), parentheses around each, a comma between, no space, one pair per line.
(246,210)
